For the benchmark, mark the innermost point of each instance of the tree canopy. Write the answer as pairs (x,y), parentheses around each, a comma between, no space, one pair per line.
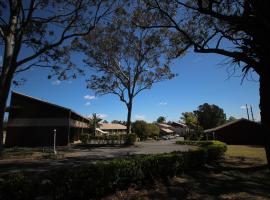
(210,116)
(37,33)
(126,59)
(190,120)
(231,119)
(95,121)
(144,130)
(161,119)
(236,29)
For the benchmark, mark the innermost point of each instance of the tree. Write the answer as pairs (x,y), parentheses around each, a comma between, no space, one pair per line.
(105,121)
(139,127)
(144,130)
(127,59)
(237,29)
(118,122)
(161,119)
(94,122)
(210,116)
(152,130)
(36,33)
(190,120)
(231,119)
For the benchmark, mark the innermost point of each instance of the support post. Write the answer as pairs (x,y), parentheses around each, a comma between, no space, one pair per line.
(54,141)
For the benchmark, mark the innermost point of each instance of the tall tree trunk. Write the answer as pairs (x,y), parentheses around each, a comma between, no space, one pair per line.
(11,51)
(129,108)
(5,83)
(265,109)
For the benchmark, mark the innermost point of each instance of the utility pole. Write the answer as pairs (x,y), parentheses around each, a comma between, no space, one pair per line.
(247,111)
(251,111)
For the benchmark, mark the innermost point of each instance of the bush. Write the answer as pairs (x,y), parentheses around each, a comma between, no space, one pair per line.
(130,138)
(84,138)
(94,180)
(145,130)
(152,130)
(139,127)
(213,149)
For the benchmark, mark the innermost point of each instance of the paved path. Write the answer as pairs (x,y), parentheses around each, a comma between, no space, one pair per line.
(79,156)
(149,147)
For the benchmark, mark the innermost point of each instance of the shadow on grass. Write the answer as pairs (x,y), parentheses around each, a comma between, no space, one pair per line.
(232,178)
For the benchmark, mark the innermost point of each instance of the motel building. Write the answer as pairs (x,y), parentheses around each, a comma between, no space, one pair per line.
(33,122)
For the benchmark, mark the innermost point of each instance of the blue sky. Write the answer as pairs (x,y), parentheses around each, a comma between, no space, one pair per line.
(202,78)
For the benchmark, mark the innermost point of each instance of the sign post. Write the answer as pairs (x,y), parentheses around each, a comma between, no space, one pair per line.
(54,141)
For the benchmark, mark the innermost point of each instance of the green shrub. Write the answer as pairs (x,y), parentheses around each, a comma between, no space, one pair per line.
(152,130)
(84,138)
(130,138)
(96,179)
(139,127)
(144,130)
(213,149)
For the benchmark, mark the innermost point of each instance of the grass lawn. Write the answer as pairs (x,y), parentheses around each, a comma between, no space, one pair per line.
(242,175)
(32,153)
(247,152)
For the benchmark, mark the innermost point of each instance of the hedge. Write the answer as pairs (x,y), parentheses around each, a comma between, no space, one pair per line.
(213,149)
(94,180)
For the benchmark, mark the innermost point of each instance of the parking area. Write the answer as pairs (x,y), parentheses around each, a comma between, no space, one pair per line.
(147,147)
(77,156)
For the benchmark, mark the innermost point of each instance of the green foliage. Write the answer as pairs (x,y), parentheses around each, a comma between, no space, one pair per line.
(145,130)
(161,119)
(213,149)
(196,134)
(190,120)
(130,138)
(152,130)
(118,122)
(94,180)
(94,122)
(210,116)
(231,119)
(139,127)
(126,58)
(84,138)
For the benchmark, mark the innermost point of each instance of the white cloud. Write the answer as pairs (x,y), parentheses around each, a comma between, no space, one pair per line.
(140,117)
(102,116)
(56,82)
(88,103)
(89,97)
(163,103)
(243,107)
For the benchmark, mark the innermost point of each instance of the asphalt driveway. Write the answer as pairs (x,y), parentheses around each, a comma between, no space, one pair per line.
(147,147)
(78,156)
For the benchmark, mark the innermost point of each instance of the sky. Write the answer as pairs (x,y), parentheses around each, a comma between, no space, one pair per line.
(202,78)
